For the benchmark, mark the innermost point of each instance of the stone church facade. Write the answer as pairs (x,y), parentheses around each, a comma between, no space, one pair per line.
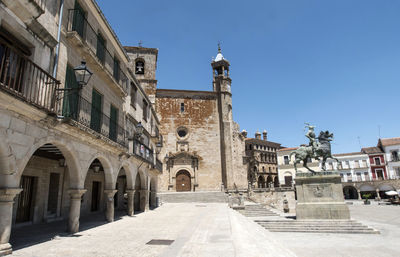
(203,149)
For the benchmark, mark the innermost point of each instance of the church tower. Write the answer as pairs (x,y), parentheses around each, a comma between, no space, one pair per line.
(222,86)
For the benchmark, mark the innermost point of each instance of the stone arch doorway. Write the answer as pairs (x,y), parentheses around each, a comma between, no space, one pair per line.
(136,197)
(93,199)
(276,181)
(269,181)
(350,192)
(45,181)
(261,182)
(183,181)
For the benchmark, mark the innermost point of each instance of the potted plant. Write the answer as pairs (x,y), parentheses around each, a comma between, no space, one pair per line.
(367,196)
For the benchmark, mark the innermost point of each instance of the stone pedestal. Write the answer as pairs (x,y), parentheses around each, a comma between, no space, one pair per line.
(7,196)
(320,196)
(110,204)
(131,196)
(75,209)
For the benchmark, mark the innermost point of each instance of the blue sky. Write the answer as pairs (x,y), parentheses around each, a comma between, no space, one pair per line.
(334,63)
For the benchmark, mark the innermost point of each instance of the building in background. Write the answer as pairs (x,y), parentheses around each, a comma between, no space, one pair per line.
(261,156)
(391,148)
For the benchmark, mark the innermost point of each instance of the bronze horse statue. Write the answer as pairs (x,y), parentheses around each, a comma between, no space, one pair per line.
(322,149)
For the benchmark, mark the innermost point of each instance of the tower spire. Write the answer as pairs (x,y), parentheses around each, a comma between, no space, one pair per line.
(219,47)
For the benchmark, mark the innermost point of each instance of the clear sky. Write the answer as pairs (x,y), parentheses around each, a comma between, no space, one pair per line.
(335,64)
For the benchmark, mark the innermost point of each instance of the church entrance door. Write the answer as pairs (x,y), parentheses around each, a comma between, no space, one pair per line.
(183,181)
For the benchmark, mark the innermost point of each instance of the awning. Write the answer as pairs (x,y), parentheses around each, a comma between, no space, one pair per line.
(391,193)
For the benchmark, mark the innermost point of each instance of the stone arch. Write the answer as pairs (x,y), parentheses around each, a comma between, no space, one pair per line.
(276,181)
(261,181)
(110,180)
(70,159)
(350,192)
(269,181)
(129,172)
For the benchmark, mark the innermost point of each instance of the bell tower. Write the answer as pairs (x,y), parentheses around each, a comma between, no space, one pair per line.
(221,79)
(222,86)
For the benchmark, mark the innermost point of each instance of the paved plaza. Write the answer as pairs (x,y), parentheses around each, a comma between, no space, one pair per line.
(216,230)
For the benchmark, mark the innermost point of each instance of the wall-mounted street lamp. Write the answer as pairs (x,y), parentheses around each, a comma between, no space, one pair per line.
(82,74)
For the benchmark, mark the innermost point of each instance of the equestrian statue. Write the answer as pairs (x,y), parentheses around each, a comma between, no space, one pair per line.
(317,147)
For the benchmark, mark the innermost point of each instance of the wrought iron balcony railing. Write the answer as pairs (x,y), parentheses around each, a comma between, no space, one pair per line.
(25,80)
(96,42)
(72,105)
(143,151)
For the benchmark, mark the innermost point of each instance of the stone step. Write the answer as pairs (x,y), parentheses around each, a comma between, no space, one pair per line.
(317,226)
(196,197)
(327,231)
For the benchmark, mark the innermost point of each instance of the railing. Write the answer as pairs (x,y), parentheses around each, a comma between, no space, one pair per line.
(24,79)
(143,151)
(159,165)
(78,23)
(72,105)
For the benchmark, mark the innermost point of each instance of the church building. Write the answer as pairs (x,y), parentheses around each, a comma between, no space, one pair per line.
(202,149)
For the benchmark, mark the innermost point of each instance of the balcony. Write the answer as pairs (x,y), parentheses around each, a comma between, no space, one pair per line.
(72,107)
(26,81)
(26,9)
(143,152)
(92,47)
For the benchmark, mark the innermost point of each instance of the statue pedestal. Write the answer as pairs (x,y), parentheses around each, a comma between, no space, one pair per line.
(320,196)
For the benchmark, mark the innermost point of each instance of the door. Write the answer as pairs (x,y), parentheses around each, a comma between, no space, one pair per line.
(288,181)
(95,196)
(95,115)
(183,181)
(25,199)
(52,202)
(113,123)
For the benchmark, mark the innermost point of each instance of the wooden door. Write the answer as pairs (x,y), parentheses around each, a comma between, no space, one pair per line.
(183,182)
(95,196)
(25,200)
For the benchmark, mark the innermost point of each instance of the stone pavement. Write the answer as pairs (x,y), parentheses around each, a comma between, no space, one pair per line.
(210,229)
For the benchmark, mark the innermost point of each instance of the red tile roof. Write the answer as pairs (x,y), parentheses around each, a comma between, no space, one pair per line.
(287,149)
(371,150)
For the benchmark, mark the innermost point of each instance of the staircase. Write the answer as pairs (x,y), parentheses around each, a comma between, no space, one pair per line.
(193,197)
(256,210)
(317,226)
(276,223)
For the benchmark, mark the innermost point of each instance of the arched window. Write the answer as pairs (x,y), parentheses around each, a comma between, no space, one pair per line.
(139,67)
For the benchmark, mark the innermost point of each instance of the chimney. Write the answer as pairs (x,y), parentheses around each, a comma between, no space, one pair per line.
(244,133)
(265,135)
(258,135)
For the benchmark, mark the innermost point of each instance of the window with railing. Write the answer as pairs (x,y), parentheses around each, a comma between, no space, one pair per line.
(286,159)
(101,46)
(377,160)
(395,156)
(145,110)
(24,79)
(133,94)
(143,151)
(96,111)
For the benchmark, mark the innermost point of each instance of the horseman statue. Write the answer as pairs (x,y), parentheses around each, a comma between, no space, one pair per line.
(317,147)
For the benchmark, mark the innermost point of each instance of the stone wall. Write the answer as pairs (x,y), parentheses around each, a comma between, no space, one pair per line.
(274,198)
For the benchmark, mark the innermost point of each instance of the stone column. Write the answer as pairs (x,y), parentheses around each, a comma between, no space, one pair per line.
(131,195)
(7,196)
(144,200)
(359,194)
(75,209)
(110,204)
